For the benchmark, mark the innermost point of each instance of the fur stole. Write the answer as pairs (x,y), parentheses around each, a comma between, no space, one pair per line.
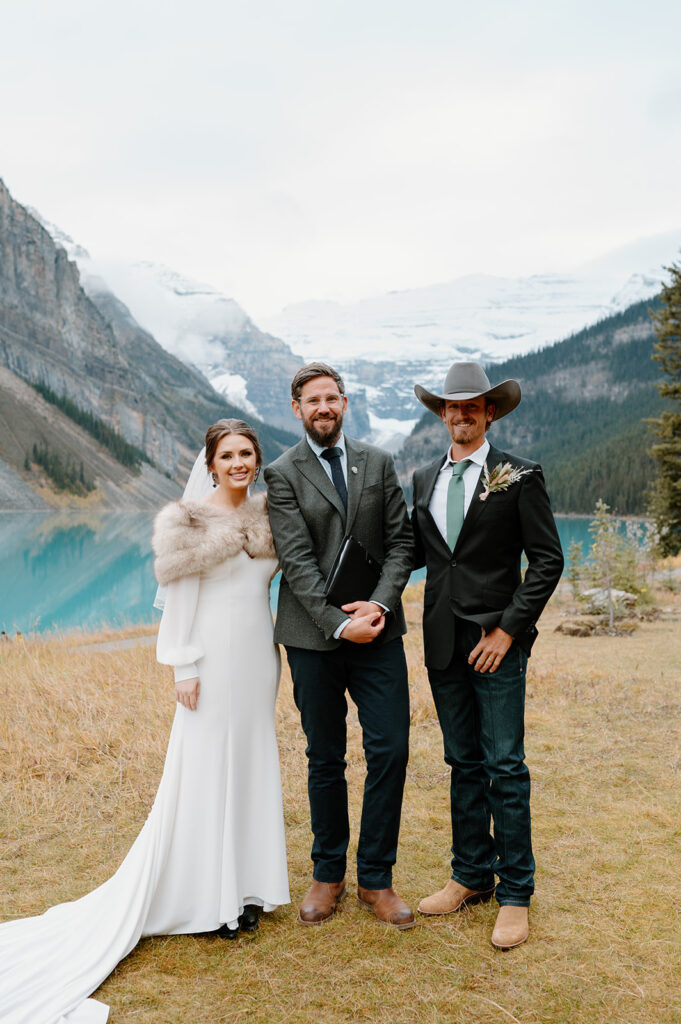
(192,536)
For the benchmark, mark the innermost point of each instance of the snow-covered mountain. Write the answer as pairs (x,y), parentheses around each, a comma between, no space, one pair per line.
(386,343)
(382,344)
(478,316)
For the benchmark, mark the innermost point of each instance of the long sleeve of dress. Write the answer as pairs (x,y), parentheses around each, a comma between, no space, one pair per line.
(175,644)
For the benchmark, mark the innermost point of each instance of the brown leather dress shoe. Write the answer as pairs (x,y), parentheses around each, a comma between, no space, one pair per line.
(387,906)
(320,902)
(512,927)
(453,897)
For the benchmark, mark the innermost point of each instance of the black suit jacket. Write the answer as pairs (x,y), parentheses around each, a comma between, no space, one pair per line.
(308,525)
(481,579)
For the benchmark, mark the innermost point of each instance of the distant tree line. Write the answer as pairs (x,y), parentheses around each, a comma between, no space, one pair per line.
(620,472)
(127,454)
(586,448)
(63,473)
(568,423)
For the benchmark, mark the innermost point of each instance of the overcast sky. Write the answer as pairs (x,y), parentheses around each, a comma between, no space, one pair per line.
(284,150)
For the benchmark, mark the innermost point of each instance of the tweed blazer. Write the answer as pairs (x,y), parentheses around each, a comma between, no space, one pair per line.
(481,578)
(309,524)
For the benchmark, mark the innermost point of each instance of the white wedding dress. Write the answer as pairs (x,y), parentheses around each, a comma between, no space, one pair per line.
(214,839)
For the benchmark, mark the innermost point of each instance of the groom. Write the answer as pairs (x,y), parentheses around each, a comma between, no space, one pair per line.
(322,490)
(476,509)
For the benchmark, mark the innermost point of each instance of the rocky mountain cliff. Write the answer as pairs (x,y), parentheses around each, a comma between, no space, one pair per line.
(89,349)
(26,418)
(582,415)
(207,330)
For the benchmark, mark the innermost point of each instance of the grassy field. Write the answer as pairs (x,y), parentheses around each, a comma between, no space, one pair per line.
(82,742)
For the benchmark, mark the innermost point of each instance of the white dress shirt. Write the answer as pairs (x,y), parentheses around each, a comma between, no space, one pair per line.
(471,475)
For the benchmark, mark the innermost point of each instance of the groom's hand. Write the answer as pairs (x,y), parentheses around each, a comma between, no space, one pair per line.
(187,692)
(363,629)
(489,652)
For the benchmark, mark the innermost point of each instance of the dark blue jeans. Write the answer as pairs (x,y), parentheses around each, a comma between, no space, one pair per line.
(482,720)
(376,679)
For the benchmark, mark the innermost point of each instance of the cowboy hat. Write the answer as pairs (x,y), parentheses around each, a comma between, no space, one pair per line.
(469,380)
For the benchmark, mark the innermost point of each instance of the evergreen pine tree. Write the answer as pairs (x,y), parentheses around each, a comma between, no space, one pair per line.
(665,502)
(574,566)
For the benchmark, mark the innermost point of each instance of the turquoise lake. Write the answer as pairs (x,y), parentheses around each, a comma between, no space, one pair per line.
(75,570)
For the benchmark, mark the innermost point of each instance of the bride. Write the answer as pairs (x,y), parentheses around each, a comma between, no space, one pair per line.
(211,854)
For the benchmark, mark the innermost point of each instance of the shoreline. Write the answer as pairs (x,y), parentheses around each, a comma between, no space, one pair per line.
(637,517)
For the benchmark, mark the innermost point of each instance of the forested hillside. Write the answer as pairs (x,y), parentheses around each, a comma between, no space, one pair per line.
(582,416)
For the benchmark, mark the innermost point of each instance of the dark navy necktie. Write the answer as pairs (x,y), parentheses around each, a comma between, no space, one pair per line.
(333,457)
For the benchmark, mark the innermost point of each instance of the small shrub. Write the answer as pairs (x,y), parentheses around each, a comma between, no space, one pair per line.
(617,561)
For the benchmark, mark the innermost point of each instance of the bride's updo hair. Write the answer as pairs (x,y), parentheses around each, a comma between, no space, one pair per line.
(221,429)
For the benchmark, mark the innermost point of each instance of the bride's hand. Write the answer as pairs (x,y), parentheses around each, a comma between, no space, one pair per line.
(187,692)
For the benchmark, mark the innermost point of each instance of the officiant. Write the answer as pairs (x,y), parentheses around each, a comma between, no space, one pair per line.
(324,490)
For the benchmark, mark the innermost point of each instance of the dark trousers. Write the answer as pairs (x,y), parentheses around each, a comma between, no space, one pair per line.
(482,722)
(376,679)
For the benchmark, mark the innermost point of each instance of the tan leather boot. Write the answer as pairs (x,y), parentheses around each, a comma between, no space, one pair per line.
(512,927)
(320,902)
(453,897)
(387,906)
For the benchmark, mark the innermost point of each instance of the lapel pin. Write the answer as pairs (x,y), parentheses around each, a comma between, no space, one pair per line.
(353,469)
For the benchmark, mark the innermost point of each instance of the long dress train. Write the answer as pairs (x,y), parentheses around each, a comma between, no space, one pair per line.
(214,839)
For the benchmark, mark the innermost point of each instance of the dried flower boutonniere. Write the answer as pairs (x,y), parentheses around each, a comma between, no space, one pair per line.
(501,478)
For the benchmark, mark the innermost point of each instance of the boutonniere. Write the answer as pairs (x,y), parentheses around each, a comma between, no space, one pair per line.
(501,478)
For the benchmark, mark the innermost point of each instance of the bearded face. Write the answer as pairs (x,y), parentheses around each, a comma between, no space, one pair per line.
(321,408)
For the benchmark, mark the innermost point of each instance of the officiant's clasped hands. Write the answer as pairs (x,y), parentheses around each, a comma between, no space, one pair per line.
(368,620)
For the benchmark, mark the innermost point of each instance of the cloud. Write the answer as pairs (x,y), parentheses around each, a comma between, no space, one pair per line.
(283,151)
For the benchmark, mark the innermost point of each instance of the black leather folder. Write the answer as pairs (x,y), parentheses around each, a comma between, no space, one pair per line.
(354,574)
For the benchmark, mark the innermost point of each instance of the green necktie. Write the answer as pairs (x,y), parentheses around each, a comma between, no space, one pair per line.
(455,502)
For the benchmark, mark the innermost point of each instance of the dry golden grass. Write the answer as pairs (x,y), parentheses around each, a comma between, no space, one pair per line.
(82,742)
